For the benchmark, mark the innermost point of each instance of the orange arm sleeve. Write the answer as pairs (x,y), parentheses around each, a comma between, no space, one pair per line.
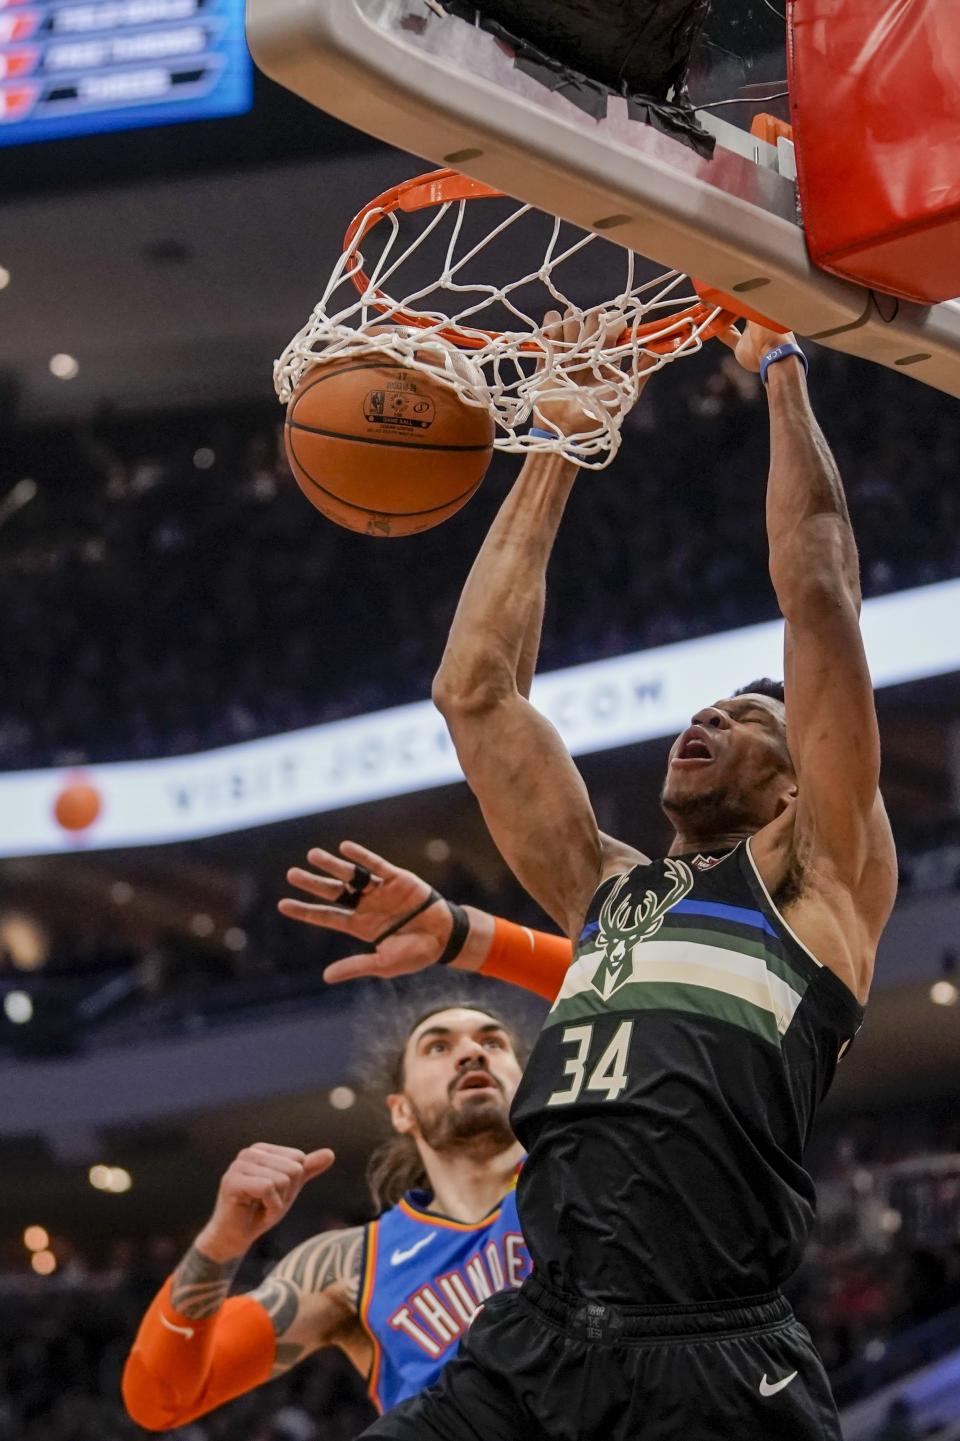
(180,1368)
(532,959)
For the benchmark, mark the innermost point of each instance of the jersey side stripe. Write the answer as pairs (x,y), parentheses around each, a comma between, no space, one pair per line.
(366,1295)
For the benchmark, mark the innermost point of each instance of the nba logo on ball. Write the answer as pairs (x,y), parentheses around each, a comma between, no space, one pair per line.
(409,406)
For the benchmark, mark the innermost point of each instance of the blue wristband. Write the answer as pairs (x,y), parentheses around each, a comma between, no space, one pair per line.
(539,433)
(781,353)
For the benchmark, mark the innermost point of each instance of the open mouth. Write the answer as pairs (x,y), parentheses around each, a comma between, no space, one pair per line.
(694,749)
(478,1081)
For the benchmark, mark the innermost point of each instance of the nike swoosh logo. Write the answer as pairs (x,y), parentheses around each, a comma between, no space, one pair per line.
(399,1257)
(185,1331)
(770,1389)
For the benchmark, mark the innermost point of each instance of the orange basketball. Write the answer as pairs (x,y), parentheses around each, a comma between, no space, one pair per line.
(382,448)
(77,806)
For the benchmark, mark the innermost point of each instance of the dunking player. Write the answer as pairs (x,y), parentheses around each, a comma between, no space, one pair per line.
(667,1102)
(395,1295)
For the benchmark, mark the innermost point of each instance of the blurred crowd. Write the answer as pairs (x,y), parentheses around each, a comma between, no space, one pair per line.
(883,1264)
(63,1343)
(168,588)
(868,1291)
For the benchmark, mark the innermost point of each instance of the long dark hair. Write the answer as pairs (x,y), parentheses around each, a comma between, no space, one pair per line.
(395,1166)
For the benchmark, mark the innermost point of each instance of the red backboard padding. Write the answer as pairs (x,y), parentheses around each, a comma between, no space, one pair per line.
(875,96)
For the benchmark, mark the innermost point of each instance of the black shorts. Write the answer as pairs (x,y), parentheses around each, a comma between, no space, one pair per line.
(535,1367)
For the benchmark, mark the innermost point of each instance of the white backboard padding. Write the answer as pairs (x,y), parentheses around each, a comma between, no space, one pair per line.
(442,89)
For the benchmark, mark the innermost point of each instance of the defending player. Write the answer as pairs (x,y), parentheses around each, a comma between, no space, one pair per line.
(395,1295)
(668,1100)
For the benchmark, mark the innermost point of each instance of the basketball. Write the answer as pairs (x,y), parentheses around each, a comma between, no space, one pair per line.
(77,806)
(383,448)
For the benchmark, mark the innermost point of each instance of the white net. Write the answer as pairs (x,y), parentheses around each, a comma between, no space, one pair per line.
(488,341)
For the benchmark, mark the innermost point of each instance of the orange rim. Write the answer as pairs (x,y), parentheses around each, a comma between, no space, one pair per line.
(710,295)
(443,187)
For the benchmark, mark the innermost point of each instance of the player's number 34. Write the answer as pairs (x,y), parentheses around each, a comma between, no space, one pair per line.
(609,1073)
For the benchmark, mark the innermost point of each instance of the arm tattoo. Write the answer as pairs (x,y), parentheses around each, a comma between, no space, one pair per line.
(325,1260)
(331,1259)
(200,1286)
(281,1302)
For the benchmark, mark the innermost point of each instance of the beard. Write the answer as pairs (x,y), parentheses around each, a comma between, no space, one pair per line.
(446,1127)
(710,813)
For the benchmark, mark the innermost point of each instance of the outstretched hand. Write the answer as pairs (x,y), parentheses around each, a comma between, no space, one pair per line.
(389,895)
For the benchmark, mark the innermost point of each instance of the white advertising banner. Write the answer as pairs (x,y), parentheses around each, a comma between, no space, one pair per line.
(596,706)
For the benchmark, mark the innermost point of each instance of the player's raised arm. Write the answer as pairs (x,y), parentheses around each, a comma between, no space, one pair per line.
(831,718)
(531,793)
(197,1349)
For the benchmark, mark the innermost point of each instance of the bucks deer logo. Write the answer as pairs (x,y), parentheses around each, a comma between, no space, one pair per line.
(623,926)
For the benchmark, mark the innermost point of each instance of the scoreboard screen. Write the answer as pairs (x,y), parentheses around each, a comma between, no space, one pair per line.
(75,67)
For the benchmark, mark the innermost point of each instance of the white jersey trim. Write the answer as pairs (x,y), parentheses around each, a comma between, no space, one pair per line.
(780,917)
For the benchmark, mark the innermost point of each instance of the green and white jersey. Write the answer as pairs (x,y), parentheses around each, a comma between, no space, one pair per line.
(671,1092)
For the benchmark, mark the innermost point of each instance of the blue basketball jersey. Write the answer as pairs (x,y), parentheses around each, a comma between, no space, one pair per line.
(424,1278)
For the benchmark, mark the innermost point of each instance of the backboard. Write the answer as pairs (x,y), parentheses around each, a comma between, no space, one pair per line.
(443,88)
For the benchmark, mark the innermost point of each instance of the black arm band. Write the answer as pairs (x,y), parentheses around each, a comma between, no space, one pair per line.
(399,925)
(458,934)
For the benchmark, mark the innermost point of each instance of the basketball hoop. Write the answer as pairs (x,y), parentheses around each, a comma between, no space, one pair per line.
(488,341)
